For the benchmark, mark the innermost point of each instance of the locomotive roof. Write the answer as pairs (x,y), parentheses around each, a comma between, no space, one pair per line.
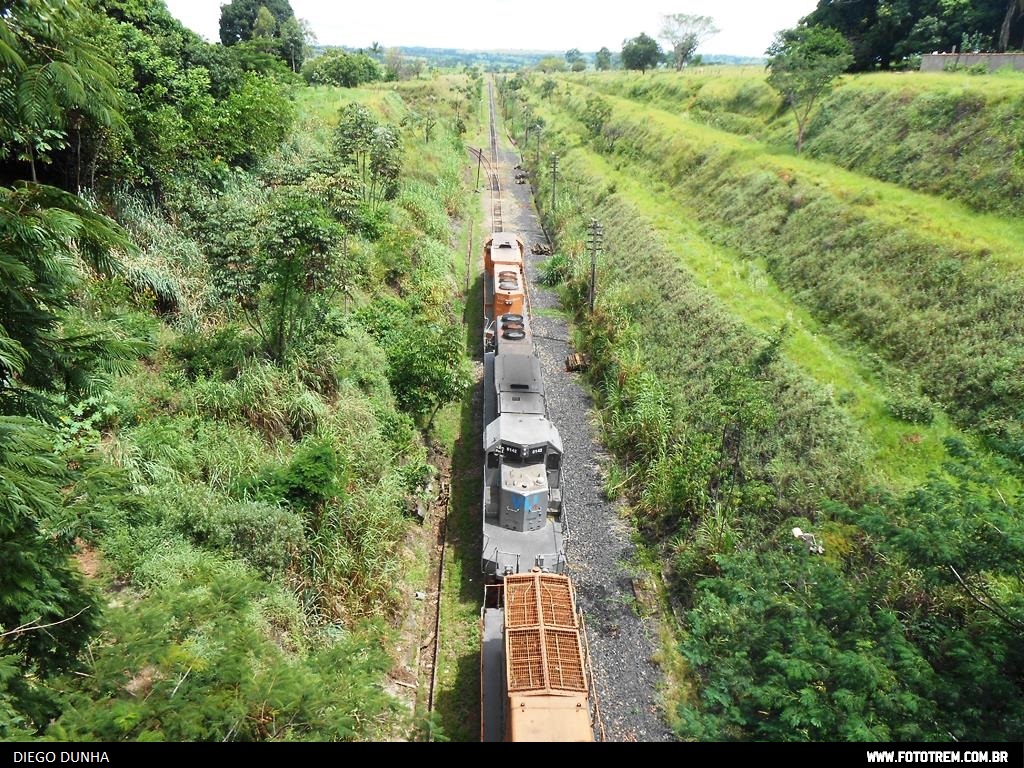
(504,240)
(525,402)
(522,429)
(518,373)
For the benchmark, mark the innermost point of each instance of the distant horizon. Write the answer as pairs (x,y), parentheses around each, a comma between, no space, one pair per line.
(516,51)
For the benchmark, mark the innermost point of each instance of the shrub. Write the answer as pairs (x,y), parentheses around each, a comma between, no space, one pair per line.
(220,355)
(915,409)
(266,535)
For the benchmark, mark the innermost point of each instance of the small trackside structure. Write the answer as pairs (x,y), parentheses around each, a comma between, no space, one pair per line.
(533,675)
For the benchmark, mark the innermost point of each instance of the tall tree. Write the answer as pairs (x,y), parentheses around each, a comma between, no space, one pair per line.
(294,42)
(49,353)
(49,73)
(684,33)
(372,150)
(574,58)
(1014,9)
(884,32)
(804,64)
(641,52)
(266,24)
(551,64)
(603,59)
(45,236)
(238,18)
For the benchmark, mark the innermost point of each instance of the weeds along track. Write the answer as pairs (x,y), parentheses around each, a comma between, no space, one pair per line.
(492,169)
(441,508)
(433,621)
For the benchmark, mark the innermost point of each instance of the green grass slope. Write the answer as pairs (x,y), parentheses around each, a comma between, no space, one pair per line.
(952,135)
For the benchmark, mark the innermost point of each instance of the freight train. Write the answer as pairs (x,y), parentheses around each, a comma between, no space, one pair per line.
(533,676)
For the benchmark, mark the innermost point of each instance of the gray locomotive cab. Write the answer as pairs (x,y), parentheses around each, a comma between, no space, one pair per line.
(522,495)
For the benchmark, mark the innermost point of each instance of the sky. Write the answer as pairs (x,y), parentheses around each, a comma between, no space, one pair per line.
(747,26)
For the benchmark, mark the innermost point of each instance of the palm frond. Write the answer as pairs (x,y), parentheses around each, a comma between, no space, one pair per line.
(34,95)
(66,82)
(9,56)
(13,354)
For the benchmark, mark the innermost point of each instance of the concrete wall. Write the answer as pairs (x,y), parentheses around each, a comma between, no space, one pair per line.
(937,62)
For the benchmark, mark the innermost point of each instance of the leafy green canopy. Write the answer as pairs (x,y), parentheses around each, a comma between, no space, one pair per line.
(373,150)
(50,75)
(804,64)
(684,33)
(641,52)
(883,33)
(920,610)
(348,70)
(278,262)
(50,352)
(43,232)
(193,110)
(238,18)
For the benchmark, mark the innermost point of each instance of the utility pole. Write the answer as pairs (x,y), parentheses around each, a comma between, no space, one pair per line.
(554,177)
(479,160)
(596,235)
(537,164)
(344,269)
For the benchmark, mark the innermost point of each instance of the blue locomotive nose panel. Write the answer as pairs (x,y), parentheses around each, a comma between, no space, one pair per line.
(523,513)
(524,498)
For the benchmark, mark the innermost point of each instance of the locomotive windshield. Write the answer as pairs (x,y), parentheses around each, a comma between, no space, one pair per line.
(521,452)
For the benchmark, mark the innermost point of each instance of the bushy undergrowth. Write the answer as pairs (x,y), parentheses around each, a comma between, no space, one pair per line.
(210,655)
(253,547)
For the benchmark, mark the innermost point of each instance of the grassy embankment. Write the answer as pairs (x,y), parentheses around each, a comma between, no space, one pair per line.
(457,693)
(925,284)
(257,559)
(727,428)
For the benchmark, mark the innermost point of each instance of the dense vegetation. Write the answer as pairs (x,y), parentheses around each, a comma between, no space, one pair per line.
(887,34)
(748,303)
(216,364)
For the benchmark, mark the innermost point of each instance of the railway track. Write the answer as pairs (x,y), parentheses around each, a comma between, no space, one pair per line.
(490,160)
(495,184)
(431,648)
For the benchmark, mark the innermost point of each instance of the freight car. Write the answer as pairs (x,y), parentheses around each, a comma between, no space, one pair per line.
(533,681)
